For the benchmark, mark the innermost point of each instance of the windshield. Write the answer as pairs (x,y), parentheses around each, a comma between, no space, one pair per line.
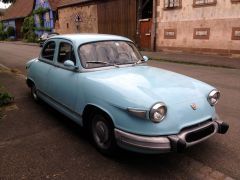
(108,53)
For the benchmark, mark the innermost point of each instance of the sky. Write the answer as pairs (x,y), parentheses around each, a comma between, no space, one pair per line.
(4,5)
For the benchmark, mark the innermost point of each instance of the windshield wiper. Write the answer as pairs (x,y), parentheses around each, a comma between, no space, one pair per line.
(97,62)
(103,62)
(139,61)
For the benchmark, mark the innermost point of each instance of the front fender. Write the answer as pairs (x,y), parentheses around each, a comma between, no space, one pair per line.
(178,117)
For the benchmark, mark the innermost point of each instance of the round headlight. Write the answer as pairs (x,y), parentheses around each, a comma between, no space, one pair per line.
(213,97)
(158,112)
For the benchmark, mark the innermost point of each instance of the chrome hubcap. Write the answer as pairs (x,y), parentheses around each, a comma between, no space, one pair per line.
(101,134)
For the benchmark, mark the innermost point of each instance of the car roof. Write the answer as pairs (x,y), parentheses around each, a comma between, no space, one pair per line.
(80,39)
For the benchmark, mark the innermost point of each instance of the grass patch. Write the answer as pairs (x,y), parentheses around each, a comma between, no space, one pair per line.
(5,99)
(16,71)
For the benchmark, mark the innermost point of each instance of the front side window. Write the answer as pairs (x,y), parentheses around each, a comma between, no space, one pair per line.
(48,51)
(108,53)
(168,4)
(66,52)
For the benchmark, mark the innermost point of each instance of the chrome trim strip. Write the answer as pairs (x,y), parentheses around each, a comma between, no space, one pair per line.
(137,112)
(150,143)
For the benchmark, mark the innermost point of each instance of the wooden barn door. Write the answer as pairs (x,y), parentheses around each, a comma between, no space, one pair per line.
(19,23)
(145,33)
(117,17)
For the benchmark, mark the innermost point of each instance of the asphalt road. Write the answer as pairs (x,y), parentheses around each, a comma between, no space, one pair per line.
(37,142)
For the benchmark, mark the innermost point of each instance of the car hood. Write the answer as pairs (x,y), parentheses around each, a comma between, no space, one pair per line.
(142,86)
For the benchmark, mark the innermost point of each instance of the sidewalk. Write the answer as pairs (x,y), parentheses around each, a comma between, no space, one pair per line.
(194,58)
(20,43)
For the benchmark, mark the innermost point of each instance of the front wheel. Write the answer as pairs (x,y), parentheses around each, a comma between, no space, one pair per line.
(102,132)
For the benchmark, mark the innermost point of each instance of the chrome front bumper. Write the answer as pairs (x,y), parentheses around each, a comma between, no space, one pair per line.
(186,138)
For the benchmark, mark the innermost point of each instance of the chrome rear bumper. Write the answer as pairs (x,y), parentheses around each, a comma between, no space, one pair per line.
(186,138)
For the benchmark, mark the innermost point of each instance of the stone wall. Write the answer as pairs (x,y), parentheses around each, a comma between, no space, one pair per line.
(77,19)
(199,28)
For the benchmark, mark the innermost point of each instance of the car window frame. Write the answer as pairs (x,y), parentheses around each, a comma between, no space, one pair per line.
(59,44)
(61,65)
(41,58)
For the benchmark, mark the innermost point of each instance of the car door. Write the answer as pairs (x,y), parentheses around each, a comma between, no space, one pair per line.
(46,62)
(63,79)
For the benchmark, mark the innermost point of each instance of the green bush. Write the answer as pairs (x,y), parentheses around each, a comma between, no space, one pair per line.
(28,29)
(1,27)
(10,31)
(30,36)
(3,34)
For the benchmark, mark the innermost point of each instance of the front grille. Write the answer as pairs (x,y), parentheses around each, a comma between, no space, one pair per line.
(197,125)
(199,134)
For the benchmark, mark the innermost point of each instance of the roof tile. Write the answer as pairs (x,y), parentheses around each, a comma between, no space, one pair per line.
(71,2)
(19,9)
(54,4)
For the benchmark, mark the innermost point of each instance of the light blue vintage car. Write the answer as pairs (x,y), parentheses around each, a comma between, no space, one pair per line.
(104,84)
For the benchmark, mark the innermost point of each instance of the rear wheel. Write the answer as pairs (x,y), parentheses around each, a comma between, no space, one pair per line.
(102,131)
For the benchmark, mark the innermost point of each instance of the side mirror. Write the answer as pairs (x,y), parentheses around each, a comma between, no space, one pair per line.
(145,58)
(69,63)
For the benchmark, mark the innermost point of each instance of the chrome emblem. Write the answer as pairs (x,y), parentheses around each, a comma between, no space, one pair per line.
(194,106)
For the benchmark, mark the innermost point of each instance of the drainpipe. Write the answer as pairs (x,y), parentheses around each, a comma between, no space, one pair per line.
(154,26)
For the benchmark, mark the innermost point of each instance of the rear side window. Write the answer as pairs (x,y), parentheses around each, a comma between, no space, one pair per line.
(66,52)
(48,51)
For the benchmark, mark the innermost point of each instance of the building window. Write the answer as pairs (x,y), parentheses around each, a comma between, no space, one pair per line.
(201,33)
(37,19)
(47,17)
(236,33)
(172,4)
(197,3)
(170,33)
(67,25)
